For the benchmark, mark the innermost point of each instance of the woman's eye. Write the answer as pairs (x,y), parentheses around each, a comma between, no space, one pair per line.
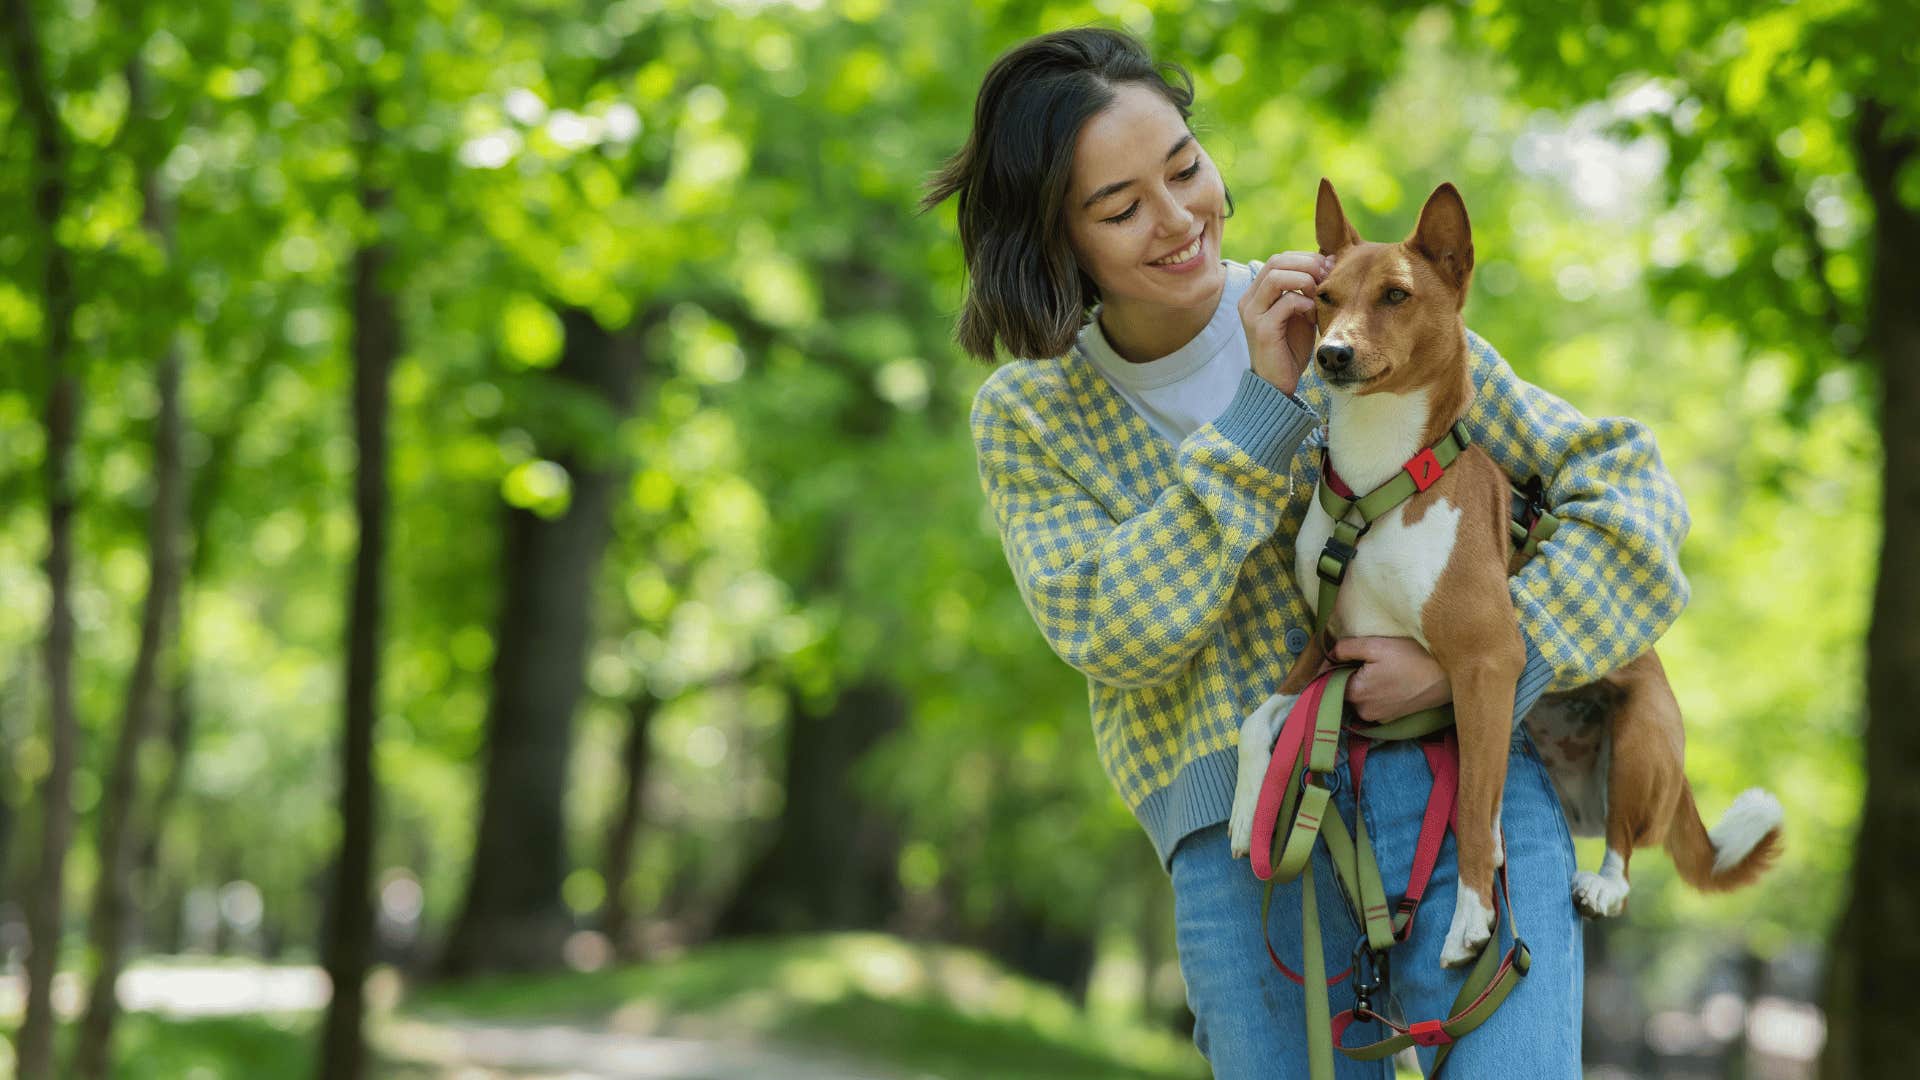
(1394,296)
(1185,174)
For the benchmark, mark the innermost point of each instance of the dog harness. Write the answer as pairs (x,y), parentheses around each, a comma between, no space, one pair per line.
(1529,523)
(1299,783)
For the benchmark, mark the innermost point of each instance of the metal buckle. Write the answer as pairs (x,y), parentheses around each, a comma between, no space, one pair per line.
(1369,974)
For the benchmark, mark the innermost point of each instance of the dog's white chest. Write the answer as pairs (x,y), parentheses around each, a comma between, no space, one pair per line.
(1389,581)
(1394,573)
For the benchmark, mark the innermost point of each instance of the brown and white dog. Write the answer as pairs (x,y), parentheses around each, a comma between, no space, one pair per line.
(1394,355)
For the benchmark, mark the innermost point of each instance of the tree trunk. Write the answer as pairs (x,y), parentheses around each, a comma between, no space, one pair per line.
(833,863)
(616,919)
(1027,941)
(1870,1032)
(34,1050)
(513,917)
(114,904)
(348,935)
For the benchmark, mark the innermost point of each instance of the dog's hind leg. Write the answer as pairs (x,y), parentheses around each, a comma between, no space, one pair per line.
(1604,894)
(1643,775)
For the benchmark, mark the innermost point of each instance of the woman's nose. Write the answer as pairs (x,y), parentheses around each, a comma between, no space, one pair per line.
(1178,220)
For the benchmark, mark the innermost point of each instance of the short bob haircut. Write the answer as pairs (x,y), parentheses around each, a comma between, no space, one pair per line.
(1027,290)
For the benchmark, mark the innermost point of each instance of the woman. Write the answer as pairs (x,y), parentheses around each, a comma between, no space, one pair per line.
(1149,466)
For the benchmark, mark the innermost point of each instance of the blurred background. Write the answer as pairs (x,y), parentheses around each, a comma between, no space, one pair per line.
(489,514)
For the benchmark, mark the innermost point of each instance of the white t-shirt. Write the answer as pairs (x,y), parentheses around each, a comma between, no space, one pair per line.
(1192,384)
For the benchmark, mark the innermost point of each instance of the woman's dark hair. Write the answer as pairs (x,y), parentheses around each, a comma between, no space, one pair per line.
(1026,289)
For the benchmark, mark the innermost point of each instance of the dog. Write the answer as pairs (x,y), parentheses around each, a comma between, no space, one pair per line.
(1392,349)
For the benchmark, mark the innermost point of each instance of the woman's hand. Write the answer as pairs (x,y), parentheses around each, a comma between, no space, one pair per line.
(1280,317)
(1396,677)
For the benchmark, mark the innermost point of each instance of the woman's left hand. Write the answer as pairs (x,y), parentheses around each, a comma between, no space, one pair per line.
(1396,677)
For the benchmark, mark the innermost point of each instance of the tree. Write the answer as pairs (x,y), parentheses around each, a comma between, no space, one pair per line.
(347,942)
(34,1048)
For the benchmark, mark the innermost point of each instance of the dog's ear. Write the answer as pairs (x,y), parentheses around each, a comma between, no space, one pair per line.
(1330,225)
(1445,238)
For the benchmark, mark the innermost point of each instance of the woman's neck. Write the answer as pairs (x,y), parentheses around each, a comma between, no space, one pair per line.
(1141,331)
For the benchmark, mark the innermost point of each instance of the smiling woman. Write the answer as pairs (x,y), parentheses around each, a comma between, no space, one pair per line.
(1148,468)
(1151,238)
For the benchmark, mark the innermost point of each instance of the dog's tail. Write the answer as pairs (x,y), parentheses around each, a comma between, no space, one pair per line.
(1736,852)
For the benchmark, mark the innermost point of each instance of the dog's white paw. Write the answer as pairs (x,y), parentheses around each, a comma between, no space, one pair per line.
(1499,847)
(1598,896)
(1472,928)
(1257,733)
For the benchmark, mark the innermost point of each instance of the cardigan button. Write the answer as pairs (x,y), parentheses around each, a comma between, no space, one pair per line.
(1296,640)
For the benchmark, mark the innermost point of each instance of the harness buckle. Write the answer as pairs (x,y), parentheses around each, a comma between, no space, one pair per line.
(1340,555)
(1534,495)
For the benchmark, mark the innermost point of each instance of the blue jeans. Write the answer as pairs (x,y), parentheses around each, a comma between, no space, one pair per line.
(1250,1021)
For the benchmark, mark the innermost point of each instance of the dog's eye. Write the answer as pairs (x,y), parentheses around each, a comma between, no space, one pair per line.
(1394,296)
(1325,299)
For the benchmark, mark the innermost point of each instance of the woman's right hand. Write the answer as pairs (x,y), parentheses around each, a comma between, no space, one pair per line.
(1279,315)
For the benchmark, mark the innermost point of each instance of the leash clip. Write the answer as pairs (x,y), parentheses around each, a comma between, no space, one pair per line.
(1369,974)
(1533,499)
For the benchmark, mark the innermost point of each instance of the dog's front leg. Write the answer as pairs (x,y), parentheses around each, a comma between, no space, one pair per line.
(1483,686)
(1257,734)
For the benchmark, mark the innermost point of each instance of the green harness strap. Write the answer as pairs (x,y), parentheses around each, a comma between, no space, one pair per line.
(1306,803)
(1529,523)
(1357,873)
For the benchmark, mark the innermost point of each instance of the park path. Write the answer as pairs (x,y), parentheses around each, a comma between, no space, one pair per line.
(458,1048)
(472,1050)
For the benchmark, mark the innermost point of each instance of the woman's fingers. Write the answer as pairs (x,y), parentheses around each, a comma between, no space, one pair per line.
(1278,314)
(1277,283)
(1305,262)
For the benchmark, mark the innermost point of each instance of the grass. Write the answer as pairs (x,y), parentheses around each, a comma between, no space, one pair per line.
(925,1011)
(931,1010)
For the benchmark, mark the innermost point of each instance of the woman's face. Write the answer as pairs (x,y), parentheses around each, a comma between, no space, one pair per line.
(1142,191)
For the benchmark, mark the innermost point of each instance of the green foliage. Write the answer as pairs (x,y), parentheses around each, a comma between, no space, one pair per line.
(731,186)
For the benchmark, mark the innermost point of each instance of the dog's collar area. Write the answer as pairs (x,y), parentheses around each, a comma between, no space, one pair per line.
(1417,473)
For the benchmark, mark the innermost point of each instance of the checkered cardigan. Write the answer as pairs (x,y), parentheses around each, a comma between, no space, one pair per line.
(1165,573)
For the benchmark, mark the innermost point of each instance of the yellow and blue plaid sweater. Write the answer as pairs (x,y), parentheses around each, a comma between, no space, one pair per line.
(1165,574)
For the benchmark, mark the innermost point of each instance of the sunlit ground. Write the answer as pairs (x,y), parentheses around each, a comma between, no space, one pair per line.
(830,1007)
(834,1007)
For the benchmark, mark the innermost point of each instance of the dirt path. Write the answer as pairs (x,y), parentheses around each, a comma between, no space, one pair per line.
(473,1050)
(452,1048)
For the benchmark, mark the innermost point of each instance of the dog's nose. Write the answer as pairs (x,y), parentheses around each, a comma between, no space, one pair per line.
(1335,357)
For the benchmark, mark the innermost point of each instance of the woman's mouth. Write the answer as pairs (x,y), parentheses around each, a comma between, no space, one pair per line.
(1187,258)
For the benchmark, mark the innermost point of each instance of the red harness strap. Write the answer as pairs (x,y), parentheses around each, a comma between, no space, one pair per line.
(1443,758)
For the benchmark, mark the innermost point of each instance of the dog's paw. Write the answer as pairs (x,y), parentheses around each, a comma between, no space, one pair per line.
(1246,797)
(1257,734)
(1471,930)
(1499,847)
(1598,896)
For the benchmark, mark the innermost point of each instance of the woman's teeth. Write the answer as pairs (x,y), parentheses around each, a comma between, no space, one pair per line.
(1182,255)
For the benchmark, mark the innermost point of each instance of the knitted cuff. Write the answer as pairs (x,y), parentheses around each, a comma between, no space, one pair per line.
(1266,421)
(1534,678)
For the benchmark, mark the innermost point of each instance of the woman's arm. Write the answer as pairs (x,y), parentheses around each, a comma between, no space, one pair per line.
(1130,603)
(1609,583)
